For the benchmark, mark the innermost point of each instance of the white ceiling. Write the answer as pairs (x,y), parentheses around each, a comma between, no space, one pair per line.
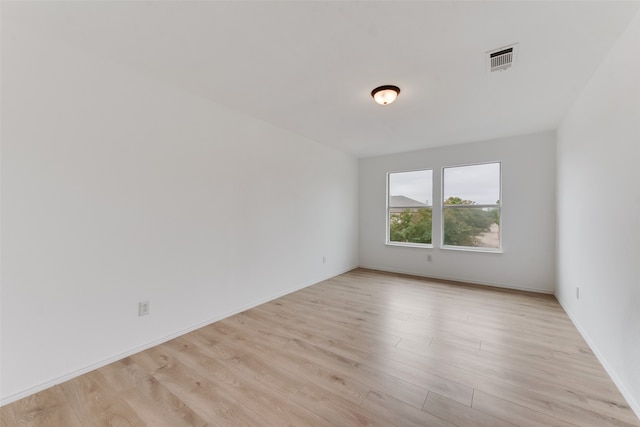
(309,66)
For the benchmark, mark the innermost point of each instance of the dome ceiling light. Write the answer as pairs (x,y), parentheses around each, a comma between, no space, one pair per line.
(386,94)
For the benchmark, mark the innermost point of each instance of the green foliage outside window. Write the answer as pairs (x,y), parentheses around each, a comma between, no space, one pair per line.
(463,226)
(410,226)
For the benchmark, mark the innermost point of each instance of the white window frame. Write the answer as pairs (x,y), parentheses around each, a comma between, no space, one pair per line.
(499,249)
(387,212)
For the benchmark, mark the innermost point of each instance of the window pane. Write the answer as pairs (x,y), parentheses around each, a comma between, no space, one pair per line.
(475,184)
(410,225)
(410,200)
(410,189)
(475,227)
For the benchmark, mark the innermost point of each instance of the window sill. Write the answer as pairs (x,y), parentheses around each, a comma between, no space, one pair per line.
(473,249)
(410,245)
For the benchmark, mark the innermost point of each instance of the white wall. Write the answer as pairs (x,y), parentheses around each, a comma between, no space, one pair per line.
(117,189)
(528,215)
(599,213)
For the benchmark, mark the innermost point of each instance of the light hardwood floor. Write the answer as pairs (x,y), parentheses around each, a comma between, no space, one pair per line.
(363,348)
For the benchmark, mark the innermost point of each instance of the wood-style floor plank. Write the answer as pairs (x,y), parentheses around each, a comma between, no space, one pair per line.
(460,415)
(47,408)
(361,349)
(148,397)
(397,412)
(513,413)
(96,404)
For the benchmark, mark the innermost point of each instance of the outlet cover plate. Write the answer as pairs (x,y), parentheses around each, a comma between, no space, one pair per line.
(143,308)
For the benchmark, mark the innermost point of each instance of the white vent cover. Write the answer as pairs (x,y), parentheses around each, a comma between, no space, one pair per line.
(502,58)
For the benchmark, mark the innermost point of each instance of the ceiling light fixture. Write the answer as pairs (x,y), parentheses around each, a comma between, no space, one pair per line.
(386,94)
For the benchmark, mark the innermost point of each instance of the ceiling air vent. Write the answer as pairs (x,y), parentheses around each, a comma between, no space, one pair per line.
(502,58)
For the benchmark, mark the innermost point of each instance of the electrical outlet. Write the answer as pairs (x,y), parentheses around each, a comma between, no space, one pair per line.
(577,293)
(143,308)
(324,260)
(429,259)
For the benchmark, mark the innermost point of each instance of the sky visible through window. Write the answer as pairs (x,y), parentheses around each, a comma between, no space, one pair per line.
(416,185)
(478,183)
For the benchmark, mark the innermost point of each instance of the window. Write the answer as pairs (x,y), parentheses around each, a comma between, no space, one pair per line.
(409,197)
(471,207)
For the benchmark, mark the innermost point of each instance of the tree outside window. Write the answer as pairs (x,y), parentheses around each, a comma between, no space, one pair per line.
(409,209)
(471,206)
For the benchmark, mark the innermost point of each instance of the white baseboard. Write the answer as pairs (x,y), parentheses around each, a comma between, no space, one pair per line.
(635,405)
(45,385)
(457,279)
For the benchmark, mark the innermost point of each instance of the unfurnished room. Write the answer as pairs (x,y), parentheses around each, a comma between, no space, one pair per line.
(320,213)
